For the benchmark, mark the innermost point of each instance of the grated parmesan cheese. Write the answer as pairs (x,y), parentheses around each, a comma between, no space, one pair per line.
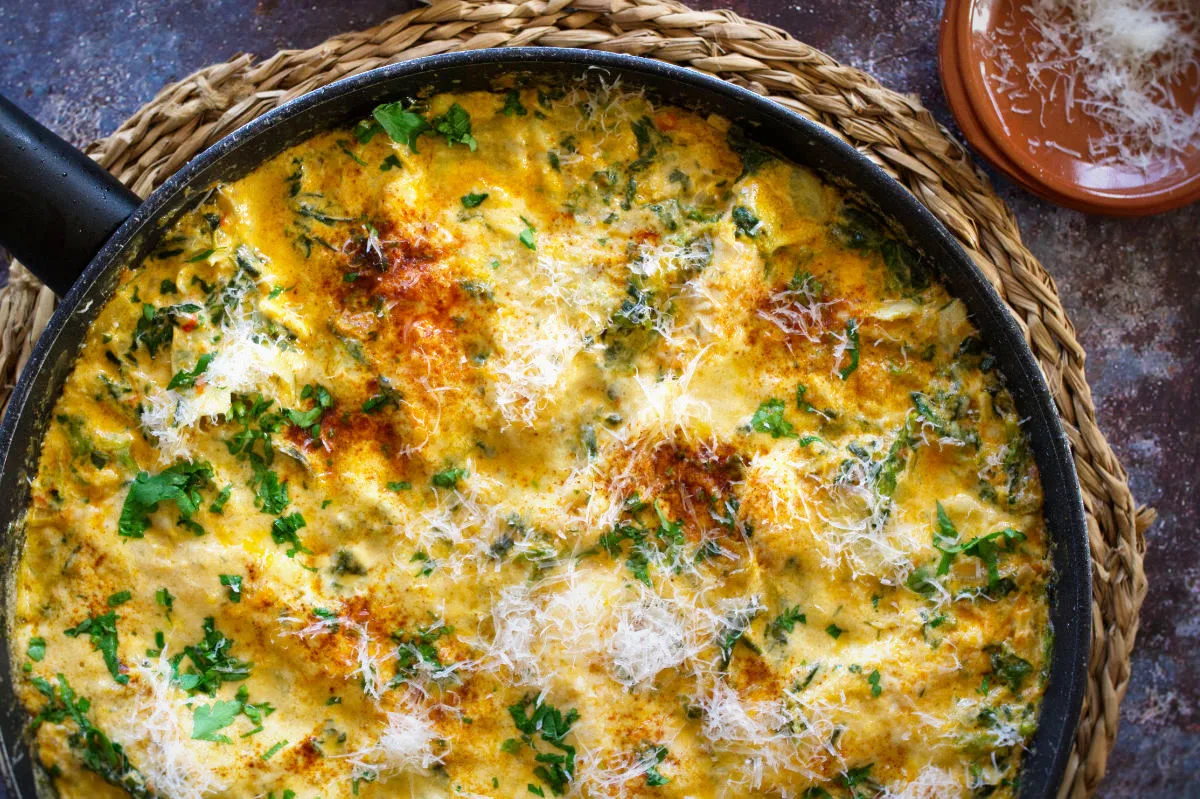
(405,745)
(650,637)
(931,782)
(1118,61)
(245,360)
(171,765)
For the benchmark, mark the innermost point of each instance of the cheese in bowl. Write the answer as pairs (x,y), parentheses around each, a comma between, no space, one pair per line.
(543,441)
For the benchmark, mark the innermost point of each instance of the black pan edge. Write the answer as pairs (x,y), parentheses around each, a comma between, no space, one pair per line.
(770,124)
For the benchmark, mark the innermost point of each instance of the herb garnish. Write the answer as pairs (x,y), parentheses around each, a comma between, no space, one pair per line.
(416,649)
(455,125)
(512,104)
(555,770)
(1009,667)
(187,379)
(986,548)
(207,719)
(852,347)
(448,478)
(400,123)
(119,598)
(786,621)
(528,236)
(284,531)
(654,777)
(769,419)
(103,632)
(234,583)
(180,484)
(745,222)
(96,751)
(212,663)
(164,597)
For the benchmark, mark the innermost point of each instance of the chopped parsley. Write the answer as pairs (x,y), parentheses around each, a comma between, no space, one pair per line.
(873,680)
(834,631)
(180,484)
(376,401)
(802,404)
(284,530)
(234,583)
(852,778)
(648,138)
(344,146)
(310,420)
(735,625)
(753,157)
(102,630)
(96,751)
(859,230)
(769,419)
(528,236)
(156,326)
(662,542)
(986,547)
(745,223)
(786,621)
(512,104)
(37,649)
(119,598)
(473,200)
(164,597)
(255,712)
(427,564)
(386,395)
(187,378)
(455,125)
(208,719)
(364,131)
(274,750)
(922,581)
(654,777)
(1010,668)
(418,649)
(852,349)
(448,478)
(212,664)
(555,769)
(270,494)
(203,255)
(218,505)
(400,123)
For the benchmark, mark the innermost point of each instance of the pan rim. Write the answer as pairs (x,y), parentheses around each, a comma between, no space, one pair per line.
(1042,766)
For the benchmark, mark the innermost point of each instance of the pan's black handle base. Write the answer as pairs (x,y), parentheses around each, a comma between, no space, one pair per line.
(57,206)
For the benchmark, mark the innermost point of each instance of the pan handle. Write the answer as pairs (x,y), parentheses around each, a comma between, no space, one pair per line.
(57,206)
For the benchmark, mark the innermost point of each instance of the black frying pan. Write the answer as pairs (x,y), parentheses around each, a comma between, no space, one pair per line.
(59,211)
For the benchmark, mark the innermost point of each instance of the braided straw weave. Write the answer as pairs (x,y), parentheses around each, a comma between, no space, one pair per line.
(891,129)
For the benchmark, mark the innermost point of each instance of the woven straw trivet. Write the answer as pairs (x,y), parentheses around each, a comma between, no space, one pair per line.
(893,130)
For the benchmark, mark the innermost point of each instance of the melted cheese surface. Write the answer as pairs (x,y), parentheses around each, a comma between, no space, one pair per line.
(566,445)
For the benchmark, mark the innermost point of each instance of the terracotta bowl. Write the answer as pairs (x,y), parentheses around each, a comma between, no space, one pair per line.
(1045,142)
(949,69)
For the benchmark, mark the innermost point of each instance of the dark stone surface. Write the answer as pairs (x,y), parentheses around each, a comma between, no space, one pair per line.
(1130,285)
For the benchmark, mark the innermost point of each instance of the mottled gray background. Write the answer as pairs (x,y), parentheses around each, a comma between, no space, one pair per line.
(1129,285)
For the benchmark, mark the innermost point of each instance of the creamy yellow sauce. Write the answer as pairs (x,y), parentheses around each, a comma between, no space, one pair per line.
(525,443)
